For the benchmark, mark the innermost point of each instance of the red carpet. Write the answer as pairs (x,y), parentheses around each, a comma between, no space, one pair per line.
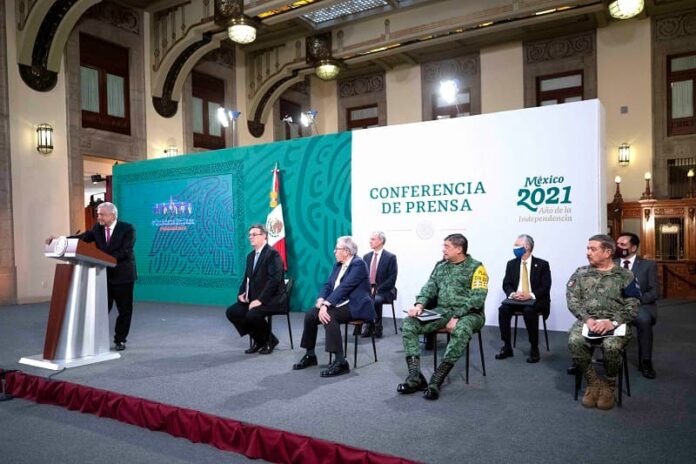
(253,441)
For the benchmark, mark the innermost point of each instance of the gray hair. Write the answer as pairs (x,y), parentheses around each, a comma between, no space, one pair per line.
(347,242)
(109,206)
(528,240)
(606,242)
(381,236)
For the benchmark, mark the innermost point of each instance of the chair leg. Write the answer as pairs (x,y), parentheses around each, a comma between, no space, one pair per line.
(483,362)
(514,340)
(546,333)
(434,334)
(356,335)
(292,346)
(578,382)
(467,363)
(345,340)
(374,347)
(394,319)
(625,370)
(620,386)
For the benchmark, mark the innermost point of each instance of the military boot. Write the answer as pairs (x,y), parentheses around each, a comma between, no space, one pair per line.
(433,391)
(589,399)
(415,380)
(606,393)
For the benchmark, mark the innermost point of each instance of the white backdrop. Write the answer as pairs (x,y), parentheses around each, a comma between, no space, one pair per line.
(491,177)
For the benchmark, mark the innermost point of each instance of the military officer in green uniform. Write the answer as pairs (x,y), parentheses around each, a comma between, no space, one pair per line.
(457,291)
(604,296)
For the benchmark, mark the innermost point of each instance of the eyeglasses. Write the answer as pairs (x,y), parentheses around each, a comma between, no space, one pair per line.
(339,249)
(254,235)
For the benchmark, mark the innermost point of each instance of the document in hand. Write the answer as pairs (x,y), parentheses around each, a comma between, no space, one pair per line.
(529,302)
(427,315)
(619,331)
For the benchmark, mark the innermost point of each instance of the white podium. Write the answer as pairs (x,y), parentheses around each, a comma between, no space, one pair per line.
(77,332)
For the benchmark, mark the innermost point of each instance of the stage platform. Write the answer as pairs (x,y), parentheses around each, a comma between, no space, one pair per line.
(191,357)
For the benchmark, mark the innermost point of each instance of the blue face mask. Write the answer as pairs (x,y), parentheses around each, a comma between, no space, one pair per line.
(519,251)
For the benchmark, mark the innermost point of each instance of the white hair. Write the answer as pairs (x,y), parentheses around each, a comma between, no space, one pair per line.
(109,206)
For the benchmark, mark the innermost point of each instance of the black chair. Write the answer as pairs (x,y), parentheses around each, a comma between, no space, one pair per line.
(444,331)
(357,329)
(393,311)
(623,371)
(520,312)
(269,317)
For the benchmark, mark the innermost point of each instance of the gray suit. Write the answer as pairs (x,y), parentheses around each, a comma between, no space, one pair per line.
(645,271)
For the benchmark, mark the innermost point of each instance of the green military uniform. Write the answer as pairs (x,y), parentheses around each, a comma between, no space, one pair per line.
(596,294)
(459,290)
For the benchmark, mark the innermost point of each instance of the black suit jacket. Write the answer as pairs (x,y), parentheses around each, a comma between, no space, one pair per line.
(539,278)
(385,278)
(120,246)
(354,287)
(267,281)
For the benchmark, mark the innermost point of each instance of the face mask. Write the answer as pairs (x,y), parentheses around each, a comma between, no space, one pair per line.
(518,252)
(620,253)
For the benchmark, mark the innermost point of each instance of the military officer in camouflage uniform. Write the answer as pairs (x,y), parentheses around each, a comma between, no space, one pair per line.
(457,289)
(603,296)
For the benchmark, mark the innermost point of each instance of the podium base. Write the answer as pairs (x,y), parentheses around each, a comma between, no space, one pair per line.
(58,364)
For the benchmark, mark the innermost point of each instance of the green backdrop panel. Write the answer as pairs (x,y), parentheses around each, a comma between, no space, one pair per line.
(191,215)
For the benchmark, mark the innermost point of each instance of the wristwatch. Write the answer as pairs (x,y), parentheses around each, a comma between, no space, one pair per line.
(615,324)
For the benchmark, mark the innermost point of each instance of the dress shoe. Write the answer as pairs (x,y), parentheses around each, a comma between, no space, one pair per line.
(255,346)
(646,368)
(505,352)
(306,361)
(534,356)
(367,331)
(336,368)
(268,348)
(120,346)
(378,330)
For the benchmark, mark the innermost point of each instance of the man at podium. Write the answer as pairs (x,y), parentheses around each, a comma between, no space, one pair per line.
(116,238)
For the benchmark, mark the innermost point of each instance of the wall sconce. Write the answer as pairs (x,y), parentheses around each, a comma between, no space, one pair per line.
(44,139)
(171,150)
(624,154)
(647,195)
(625,9)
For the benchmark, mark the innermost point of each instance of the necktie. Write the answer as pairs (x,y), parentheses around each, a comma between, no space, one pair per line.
(256,260)
(525,278)
(373,269)
(626,263)
(108,234)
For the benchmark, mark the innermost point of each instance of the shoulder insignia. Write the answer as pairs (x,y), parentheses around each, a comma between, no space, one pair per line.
(480,279)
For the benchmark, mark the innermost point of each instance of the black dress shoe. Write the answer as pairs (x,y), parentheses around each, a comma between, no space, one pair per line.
(268,348)
(505,352)
(647,370)
(336,368)
(534,356)
(120,346)
(378,330)
(254,347)
(367,331)
(306,361)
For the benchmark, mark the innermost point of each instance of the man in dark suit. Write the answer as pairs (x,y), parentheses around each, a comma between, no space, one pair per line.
(116,238)
(262,292)
(344,297)
(383,271)
(645,271)
(527,286)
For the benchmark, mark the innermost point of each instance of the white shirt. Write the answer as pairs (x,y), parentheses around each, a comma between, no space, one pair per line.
(631,261)
(344,268)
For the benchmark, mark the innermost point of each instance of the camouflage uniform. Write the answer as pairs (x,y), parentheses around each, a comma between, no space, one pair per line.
(459,291)
(613,295)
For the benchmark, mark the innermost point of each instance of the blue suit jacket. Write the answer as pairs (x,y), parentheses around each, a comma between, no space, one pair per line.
(354,286)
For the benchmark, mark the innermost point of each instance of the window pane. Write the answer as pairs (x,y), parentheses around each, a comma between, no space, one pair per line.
(683,63)
(197,113)
(89,83)
(363,113)
(572,99)
(561,82)
(115,105)
(213,123)
(463,98)
(682,99)
(549,102)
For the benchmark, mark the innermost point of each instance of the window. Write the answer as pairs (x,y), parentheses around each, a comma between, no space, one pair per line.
(443,109)
(559,88)
(681,74)
(290,111)
(678,180)
(208,94)
(104,85)
(362,117)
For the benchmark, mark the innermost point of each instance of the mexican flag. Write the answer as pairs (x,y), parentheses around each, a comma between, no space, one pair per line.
(275,224)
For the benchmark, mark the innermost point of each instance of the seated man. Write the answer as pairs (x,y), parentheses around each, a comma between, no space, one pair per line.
(459,284)
(645,271)
(383,272)
(527,284)
(261,292)
(603,296)
(344,297)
